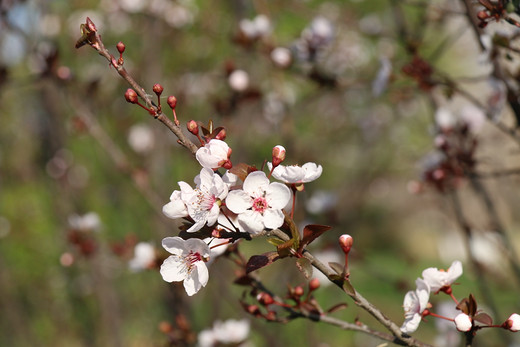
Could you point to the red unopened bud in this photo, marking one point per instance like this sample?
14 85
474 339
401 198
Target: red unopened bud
221 135
165 327
314 284
193 127
346 241
157 89
270 316
298 291
131 96
172 101
253 309
265 299
227 164
120 47
278 155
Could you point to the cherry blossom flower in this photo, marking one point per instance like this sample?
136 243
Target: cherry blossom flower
513 322
176 208
463 322
415 302
438 279
296 174
187 263
87 222
144 256
203 202
231 332
259 204
214 154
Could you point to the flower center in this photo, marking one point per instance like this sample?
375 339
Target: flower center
260 205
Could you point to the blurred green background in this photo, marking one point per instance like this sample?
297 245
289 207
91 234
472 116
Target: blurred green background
70 144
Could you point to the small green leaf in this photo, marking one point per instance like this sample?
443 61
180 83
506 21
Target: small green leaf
275 241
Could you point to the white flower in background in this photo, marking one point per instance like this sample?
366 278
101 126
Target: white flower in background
513 322
203 203
258 27
296 174
144 256
187 263
415 302
238 80
214 154
259 203
321 201
473 116
463 322
380 83
230 332
444 118
176 208
281 57
437 279
141 138
447 335
88 222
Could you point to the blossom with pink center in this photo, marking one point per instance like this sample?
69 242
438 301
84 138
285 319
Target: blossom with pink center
203 202
259 203
296 174
438 279
463 322
187 263
415 302
214 154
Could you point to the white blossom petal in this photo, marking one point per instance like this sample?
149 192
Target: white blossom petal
196 279
238 201
277 195
251 221
256 183
273 219
174 245
173 269
212 154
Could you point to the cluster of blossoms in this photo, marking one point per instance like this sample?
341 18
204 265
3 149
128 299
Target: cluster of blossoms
223 204
416 303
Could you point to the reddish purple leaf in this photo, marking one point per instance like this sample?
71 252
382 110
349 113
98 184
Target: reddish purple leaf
259 261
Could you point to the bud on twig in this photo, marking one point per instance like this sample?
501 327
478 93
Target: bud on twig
193 127
278 155
172 102
131 96
314 284
221 135
346 241
120 47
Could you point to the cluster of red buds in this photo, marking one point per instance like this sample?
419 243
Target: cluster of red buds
420 70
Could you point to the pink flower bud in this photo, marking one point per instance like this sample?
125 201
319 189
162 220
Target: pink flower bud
513 322
265 299
172 101
90 25
278 155
463 322
131 96
346 241
298 291
193 127
120 47
157 89
314 284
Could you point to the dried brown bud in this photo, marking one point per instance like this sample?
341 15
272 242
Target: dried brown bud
90 25
158 89
172 101
131 96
